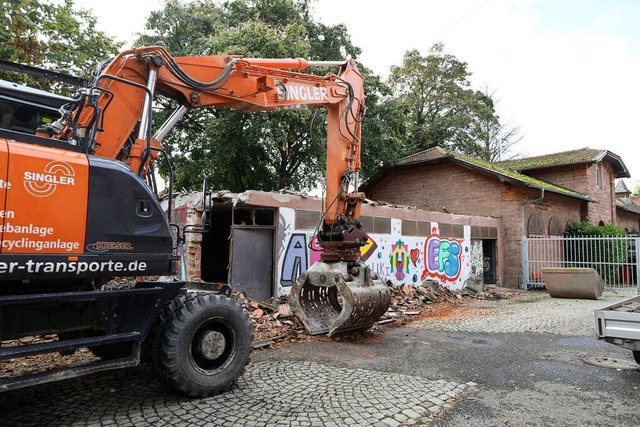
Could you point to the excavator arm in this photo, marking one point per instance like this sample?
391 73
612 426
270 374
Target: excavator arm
113 119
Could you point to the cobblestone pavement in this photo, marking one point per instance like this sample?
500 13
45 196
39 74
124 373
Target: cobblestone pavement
277 393
529 312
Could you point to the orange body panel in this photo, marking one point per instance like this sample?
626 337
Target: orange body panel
46 204
4 184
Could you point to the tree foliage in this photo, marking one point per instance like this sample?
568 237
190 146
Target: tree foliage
493 140
240 151
53 35
443 110
586 228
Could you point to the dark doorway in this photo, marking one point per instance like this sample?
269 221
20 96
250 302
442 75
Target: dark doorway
214 265
249 233
489 261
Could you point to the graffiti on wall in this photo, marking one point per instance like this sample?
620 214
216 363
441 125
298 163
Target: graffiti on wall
476 259
295 260
443 258
299 256
393 257
399 259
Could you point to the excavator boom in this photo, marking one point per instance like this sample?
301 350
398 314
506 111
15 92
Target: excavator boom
113 120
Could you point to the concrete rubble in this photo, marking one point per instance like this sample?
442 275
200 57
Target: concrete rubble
274 322
628 307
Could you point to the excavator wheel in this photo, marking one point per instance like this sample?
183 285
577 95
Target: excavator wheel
203 345
151 345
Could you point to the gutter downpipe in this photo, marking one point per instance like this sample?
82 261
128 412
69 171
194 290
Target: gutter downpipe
524 249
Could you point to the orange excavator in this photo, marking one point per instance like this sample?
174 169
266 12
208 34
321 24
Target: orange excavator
78 208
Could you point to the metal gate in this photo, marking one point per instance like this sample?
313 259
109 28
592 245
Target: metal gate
614 258
252 261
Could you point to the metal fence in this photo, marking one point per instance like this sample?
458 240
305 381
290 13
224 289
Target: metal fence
614 258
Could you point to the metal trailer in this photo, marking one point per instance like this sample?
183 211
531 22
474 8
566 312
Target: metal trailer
620 328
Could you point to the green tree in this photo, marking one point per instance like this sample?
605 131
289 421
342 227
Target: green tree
434 93
442 109
241 151
383 128
53 35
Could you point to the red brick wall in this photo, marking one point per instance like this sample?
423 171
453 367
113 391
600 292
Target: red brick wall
582 178
453 188
440 188
628 220
575 177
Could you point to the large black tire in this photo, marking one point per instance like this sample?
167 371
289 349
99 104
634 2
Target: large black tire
151 345
636 355
204 344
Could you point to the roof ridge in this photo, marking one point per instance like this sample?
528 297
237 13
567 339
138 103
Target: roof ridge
513 174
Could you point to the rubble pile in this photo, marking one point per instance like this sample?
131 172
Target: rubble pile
273 321
628 307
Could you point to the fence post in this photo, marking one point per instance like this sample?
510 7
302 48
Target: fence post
636 261
525 264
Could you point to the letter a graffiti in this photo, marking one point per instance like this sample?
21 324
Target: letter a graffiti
295 260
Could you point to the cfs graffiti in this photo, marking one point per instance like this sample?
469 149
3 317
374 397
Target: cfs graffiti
443 258
395 258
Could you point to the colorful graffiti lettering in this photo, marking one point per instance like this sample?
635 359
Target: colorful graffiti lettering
380 268
399 259
295 260
368 249
443 258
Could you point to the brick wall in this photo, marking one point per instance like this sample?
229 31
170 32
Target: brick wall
441 188
582 178
628 220
573 177
456 189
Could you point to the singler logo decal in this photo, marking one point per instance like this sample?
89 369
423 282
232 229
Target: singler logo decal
44 184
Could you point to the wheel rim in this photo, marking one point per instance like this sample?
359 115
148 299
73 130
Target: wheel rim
213 346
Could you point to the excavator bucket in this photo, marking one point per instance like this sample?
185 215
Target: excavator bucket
336 297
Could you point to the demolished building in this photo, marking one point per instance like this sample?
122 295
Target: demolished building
259 242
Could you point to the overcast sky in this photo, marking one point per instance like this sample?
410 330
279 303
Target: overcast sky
566 72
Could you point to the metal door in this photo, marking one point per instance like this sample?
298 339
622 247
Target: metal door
252 261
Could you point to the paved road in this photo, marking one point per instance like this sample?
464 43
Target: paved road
271 393
426 373
527 375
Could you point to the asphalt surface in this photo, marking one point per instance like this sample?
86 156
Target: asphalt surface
524 378
439 371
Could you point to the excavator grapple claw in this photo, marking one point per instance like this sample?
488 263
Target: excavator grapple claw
336 297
